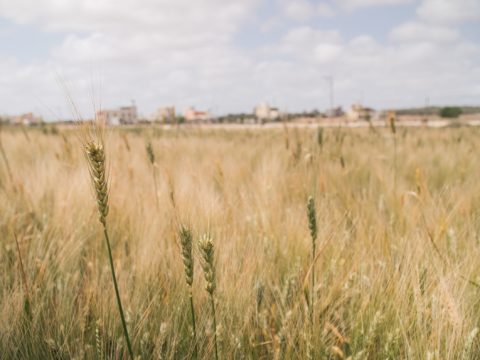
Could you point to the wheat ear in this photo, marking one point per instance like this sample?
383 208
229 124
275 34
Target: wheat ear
186 241
97 164
208 265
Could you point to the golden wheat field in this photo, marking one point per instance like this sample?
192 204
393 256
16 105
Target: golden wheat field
395 265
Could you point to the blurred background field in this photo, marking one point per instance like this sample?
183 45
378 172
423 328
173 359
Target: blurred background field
398 243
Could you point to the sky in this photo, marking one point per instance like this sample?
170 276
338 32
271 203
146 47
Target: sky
227 56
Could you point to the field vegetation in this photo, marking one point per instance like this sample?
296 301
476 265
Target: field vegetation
241 244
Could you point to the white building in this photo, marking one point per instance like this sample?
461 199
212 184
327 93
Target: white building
164 114
359 112
191 114
264 111
25 119
121 115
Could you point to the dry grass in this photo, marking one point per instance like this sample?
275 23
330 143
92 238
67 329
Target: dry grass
394 274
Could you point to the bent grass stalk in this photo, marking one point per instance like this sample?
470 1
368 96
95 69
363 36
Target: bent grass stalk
208 265
96 161
187 256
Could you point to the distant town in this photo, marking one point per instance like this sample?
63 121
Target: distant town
262 113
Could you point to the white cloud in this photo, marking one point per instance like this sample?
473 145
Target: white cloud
449 11
353 4
304 40
299 10
302 10
415 31
325 53
400 73
180 17
185 53
325 10
175 52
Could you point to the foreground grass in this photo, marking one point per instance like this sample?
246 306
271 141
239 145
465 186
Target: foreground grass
396 262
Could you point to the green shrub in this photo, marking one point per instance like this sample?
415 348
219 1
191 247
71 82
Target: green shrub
450 112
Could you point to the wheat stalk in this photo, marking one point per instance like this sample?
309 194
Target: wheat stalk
95 153
187 256
393 129
312 225
151 159
27 303
208 266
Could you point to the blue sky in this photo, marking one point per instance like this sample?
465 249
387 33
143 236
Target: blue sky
227 55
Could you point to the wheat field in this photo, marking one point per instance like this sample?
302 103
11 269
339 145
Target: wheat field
396 264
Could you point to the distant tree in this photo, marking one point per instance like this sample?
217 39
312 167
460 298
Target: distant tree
450 112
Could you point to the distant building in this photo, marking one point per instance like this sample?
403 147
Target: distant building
335 112
264 111
359 112
191 114
165 114
122 115
25 119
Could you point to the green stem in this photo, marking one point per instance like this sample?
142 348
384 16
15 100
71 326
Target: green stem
117 293
212 300
192 310
313 283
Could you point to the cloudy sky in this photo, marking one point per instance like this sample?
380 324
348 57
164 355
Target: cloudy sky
228 55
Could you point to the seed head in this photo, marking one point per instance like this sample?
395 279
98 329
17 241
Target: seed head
150 153
208 262
392 123
96 160
320 136
312 218
186 242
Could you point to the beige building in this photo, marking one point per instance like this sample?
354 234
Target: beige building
164 114
121 115
359 112
25 119
191 114
264 111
